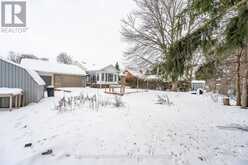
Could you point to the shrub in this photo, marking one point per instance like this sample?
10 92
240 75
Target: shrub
93 102
118 102
164 99
214 97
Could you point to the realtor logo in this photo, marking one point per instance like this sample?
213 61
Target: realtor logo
13 14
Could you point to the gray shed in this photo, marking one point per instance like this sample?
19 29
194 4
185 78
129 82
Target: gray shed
13 75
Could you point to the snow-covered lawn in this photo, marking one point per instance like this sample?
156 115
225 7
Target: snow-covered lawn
194 130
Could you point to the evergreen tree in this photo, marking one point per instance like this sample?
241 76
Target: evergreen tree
117 66
210 36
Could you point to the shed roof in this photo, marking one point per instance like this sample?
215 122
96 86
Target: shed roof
52 67
32 73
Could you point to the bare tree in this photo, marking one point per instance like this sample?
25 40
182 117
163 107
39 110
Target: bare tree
245 81
29 56
17 57
64 58
150 30
44 59
14 57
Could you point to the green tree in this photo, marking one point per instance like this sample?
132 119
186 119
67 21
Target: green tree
117 66
231 16
236 39
150 31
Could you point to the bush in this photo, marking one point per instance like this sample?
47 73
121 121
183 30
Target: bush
118 102
93 102
164 99
214 97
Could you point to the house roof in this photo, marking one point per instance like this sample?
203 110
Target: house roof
152 77
198 81
108 68
32 73
52 67
93 67
136 74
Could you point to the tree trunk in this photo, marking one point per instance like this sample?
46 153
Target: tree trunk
174 86
245 82
238 90
244 93
137 85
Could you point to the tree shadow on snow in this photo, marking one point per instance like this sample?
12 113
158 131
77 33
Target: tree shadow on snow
234 127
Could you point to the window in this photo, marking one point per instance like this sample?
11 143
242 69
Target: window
106 77
93 78
110 77
102 76
97 77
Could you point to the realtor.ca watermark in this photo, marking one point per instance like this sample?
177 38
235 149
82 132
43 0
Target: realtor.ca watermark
13 17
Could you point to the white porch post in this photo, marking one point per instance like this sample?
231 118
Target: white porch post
106 77
10 102
100 79
53 83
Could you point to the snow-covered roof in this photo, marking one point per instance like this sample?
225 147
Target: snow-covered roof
52 67
136 73
198 81
122 74
152 77
94 67
32 73
108 68
10 91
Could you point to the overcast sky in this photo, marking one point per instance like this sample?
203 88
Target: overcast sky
88 30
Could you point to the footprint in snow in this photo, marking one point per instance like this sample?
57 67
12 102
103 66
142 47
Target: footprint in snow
67 155
202 158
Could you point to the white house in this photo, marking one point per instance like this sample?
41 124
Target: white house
99 76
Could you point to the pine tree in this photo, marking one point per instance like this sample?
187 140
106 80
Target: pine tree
117 66
233 38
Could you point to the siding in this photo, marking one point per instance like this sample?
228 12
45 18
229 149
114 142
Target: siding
13 76
68 81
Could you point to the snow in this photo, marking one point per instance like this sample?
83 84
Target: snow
52 67
101 68
136 73
152 77
36 77
32 73
194 130
10 91
198 81
94 67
